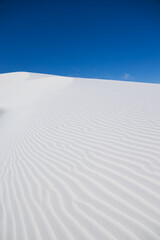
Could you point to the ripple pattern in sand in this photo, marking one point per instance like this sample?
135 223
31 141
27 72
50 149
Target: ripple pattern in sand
86 168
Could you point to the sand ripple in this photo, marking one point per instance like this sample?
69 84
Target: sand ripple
81 161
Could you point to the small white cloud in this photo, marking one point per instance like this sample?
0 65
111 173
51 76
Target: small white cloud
127 76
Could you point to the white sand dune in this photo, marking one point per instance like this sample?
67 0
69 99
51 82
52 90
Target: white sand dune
79 159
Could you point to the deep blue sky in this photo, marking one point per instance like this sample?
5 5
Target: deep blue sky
112 39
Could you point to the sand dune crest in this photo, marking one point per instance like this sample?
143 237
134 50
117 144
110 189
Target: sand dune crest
79 159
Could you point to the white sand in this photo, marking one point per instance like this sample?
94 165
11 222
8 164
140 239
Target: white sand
79 159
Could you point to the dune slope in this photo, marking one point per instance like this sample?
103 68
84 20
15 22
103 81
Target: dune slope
79 159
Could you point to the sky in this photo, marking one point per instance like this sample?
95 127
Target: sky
108 39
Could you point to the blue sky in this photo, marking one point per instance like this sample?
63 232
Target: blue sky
100 39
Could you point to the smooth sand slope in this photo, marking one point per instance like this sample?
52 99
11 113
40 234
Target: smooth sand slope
79 159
